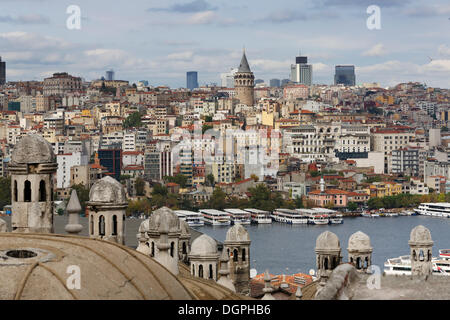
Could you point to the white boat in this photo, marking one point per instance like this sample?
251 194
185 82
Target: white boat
259 216
318 219
238 216
289 216
402 264
336 218
193 219
370 215
215 217
439 209
391 214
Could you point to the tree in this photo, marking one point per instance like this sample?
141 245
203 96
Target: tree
180 179
298 202
5 192
82 193
159 190
218 199
254 177
210 179
314 173
133 121
140 186
352 206
206 127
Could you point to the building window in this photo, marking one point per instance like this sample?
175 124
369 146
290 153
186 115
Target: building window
101 225
15 190
114 226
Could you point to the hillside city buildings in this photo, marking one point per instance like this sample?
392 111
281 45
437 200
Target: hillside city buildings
363 140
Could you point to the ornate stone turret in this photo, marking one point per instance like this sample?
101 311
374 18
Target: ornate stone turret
224 272
244 83
360 251
164 256
183 244
107 205
268 289
204 257
32 166
328 255
237 245
143 244
421 247
73 209
298 293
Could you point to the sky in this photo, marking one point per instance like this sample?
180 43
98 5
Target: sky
159 41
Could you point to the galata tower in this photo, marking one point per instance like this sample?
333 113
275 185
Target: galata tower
244 83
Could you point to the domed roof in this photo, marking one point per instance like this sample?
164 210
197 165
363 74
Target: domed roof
31 149
327 240
420 234
107 190
36 267
143 227
237 233
172 220
204 246
359 241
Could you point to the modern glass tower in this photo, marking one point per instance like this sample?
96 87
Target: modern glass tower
345 75
301 71
2 72
191 80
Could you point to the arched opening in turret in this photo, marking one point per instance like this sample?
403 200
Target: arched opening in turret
27 191
114 225
15 190
92 224
358 263
193 270
235 255
211 272
429 255
42 191
101 226
153 249
200 271
172 246
414 255
325 263
366 263
184 249
243 254
421 255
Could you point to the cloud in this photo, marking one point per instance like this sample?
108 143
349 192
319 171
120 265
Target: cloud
363 3
443 50
26 19
190 7
377 50
20 40
187 55
285 16
204 17
427 11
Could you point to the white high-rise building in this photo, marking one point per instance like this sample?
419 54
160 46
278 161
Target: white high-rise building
227 79
301 72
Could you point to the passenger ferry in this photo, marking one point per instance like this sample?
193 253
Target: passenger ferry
402 264
193 219
440 209
289 216
259 216
238 216
215 217
334 216
317 217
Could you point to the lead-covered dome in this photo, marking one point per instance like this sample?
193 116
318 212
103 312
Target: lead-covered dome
32 149
420 236
107 190
172 220
327 241
359 241
237 233
204 246
36 268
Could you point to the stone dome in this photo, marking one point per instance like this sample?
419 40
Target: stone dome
107 190
32 149
143 227
204 246
420 235
327 241
172 220
237 233
359 241
35 266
